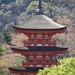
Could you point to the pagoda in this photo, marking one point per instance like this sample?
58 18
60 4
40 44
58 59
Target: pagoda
39 50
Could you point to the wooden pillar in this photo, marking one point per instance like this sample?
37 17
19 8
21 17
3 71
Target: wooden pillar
43 60
35 38
49 36
43 38
28 60
29 37
34 60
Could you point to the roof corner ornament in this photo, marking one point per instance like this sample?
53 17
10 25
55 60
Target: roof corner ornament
39 10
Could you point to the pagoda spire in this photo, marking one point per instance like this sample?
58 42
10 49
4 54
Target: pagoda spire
39 10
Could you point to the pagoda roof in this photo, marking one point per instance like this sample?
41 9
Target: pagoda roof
39 22
26 69
39 48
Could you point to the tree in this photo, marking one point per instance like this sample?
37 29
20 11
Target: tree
7 1
30 10
65 40
4 38
67 66
18 39
50 8
7 37
10 60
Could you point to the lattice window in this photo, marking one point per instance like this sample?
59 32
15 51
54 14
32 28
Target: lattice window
47 61
31 61
46 40
32 40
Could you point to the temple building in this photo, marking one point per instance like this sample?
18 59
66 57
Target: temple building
39 50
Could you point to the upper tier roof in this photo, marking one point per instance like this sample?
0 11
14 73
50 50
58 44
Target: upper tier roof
40 22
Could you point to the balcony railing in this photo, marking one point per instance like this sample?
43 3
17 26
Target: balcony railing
40 44
37 65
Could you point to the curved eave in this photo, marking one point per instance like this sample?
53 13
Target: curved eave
16 27
26 69
39 48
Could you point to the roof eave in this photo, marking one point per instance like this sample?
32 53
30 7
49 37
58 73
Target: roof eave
15 27
26 69
30 48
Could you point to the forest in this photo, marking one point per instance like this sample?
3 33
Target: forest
13 11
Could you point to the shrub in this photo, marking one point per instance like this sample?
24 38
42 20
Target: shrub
67 67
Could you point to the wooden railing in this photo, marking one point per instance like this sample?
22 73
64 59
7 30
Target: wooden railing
40 44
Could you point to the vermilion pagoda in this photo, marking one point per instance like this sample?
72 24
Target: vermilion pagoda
40 49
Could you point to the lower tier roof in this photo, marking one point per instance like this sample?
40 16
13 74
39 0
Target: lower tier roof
39 48
26 69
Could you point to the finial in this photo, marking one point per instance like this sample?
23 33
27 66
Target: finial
40 5
39 10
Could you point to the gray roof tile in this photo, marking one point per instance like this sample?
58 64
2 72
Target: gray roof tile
40 22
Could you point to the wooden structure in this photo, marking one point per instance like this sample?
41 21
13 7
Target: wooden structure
39 30
39 49
37 57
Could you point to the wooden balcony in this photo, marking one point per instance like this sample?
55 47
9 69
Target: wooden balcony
40 44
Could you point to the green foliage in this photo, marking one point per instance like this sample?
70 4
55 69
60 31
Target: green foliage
14 60
4 71
5 37
2 50
30 10
67 67
18 61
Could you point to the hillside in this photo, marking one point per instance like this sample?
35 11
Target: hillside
14 11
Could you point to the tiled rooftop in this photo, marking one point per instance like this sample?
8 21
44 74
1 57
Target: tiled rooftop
40 22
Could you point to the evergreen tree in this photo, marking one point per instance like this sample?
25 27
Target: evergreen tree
4 38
